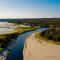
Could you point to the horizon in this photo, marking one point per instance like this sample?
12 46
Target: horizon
32 18
24 9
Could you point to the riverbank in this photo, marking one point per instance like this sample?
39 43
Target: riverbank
15 32
50 36
34 50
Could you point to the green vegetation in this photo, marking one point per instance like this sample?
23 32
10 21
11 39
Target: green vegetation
43 22
5 39
51 35
1 49
37 35
24 29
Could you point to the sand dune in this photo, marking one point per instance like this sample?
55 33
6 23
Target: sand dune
34 50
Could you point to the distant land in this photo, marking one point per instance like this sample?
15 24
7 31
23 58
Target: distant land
29 19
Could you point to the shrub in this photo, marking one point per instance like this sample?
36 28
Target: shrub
51 34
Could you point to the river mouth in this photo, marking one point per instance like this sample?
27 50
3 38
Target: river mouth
16 52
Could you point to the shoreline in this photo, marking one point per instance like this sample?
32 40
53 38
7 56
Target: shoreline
34 50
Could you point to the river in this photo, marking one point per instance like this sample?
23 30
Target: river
16 52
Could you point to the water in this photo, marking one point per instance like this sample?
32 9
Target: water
16 52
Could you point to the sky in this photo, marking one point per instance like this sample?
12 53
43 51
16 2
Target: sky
29 8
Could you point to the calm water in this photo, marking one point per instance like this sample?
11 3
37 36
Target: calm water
16 52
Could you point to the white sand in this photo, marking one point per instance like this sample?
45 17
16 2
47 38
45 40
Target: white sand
6 30
40 51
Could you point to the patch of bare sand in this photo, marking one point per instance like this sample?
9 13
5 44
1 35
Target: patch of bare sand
34 50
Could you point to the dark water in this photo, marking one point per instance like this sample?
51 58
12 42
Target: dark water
16 52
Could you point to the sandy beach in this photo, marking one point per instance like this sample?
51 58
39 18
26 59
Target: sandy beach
34 50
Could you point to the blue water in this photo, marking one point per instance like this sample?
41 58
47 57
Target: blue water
16 52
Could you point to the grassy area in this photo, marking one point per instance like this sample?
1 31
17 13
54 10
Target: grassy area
39 38
49 35
37 35
23 29
1 49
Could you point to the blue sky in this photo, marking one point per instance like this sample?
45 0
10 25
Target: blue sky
29 8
